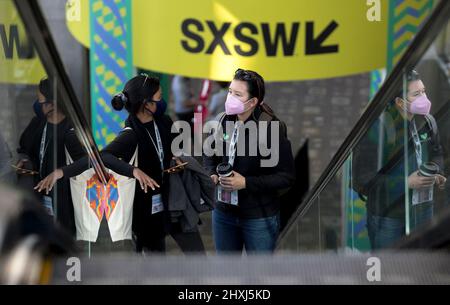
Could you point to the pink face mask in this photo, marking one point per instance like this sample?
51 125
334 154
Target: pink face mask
421 105
234 106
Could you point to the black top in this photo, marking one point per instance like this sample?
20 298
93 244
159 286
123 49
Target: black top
117 156
30 142
260 198
58 137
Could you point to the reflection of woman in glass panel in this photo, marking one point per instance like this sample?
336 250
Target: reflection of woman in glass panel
382 182
43 143
5 161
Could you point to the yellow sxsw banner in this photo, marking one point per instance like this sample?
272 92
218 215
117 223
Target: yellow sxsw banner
19 61
283 40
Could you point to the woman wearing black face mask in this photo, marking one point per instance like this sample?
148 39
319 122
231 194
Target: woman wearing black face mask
150 130
43 143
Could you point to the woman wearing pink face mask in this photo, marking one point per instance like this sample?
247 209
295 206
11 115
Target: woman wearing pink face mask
416 105
379 166
249 216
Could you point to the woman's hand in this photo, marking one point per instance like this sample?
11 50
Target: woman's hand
418 182
20 166
235 183
49 181
215 179
22 162
177 161
440 181
144 180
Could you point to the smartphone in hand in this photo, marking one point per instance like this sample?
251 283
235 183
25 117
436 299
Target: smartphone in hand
176 169
24 171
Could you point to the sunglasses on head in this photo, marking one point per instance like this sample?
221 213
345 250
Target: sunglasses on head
146 77
243 74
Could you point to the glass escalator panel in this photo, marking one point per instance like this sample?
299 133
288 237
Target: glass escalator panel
42 130
395 178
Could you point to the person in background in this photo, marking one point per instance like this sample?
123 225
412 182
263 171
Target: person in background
183 96
217 103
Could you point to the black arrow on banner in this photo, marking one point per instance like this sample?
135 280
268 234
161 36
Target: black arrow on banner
314 45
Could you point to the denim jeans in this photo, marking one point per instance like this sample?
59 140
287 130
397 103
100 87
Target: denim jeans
385 231
232 234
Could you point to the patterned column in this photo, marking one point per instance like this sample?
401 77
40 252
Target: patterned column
111 64
405 20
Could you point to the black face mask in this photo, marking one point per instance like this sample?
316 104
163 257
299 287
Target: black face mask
161 107
37 108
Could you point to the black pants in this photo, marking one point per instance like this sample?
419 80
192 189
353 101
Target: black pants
149 232
156 245
104 243
189 242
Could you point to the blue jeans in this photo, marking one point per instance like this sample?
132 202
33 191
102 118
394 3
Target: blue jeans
385 231
232 234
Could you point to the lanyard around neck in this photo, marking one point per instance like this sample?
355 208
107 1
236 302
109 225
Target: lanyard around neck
233 144
158 145
417 145
43 149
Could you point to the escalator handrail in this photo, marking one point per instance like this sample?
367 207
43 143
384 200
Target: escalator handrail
420 44
36 26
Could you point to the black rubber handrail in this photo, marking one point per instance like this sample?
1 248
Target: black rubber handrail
420 44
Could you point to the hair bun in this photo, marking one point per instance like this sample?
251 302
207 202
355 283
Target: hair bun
119 101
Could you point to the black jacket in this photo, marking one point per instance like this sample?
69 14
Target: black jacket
59 137
191 193
260 198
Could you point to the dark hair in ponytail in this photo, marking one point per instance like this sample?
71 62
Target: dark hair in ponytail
137 91
256 87
118 101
